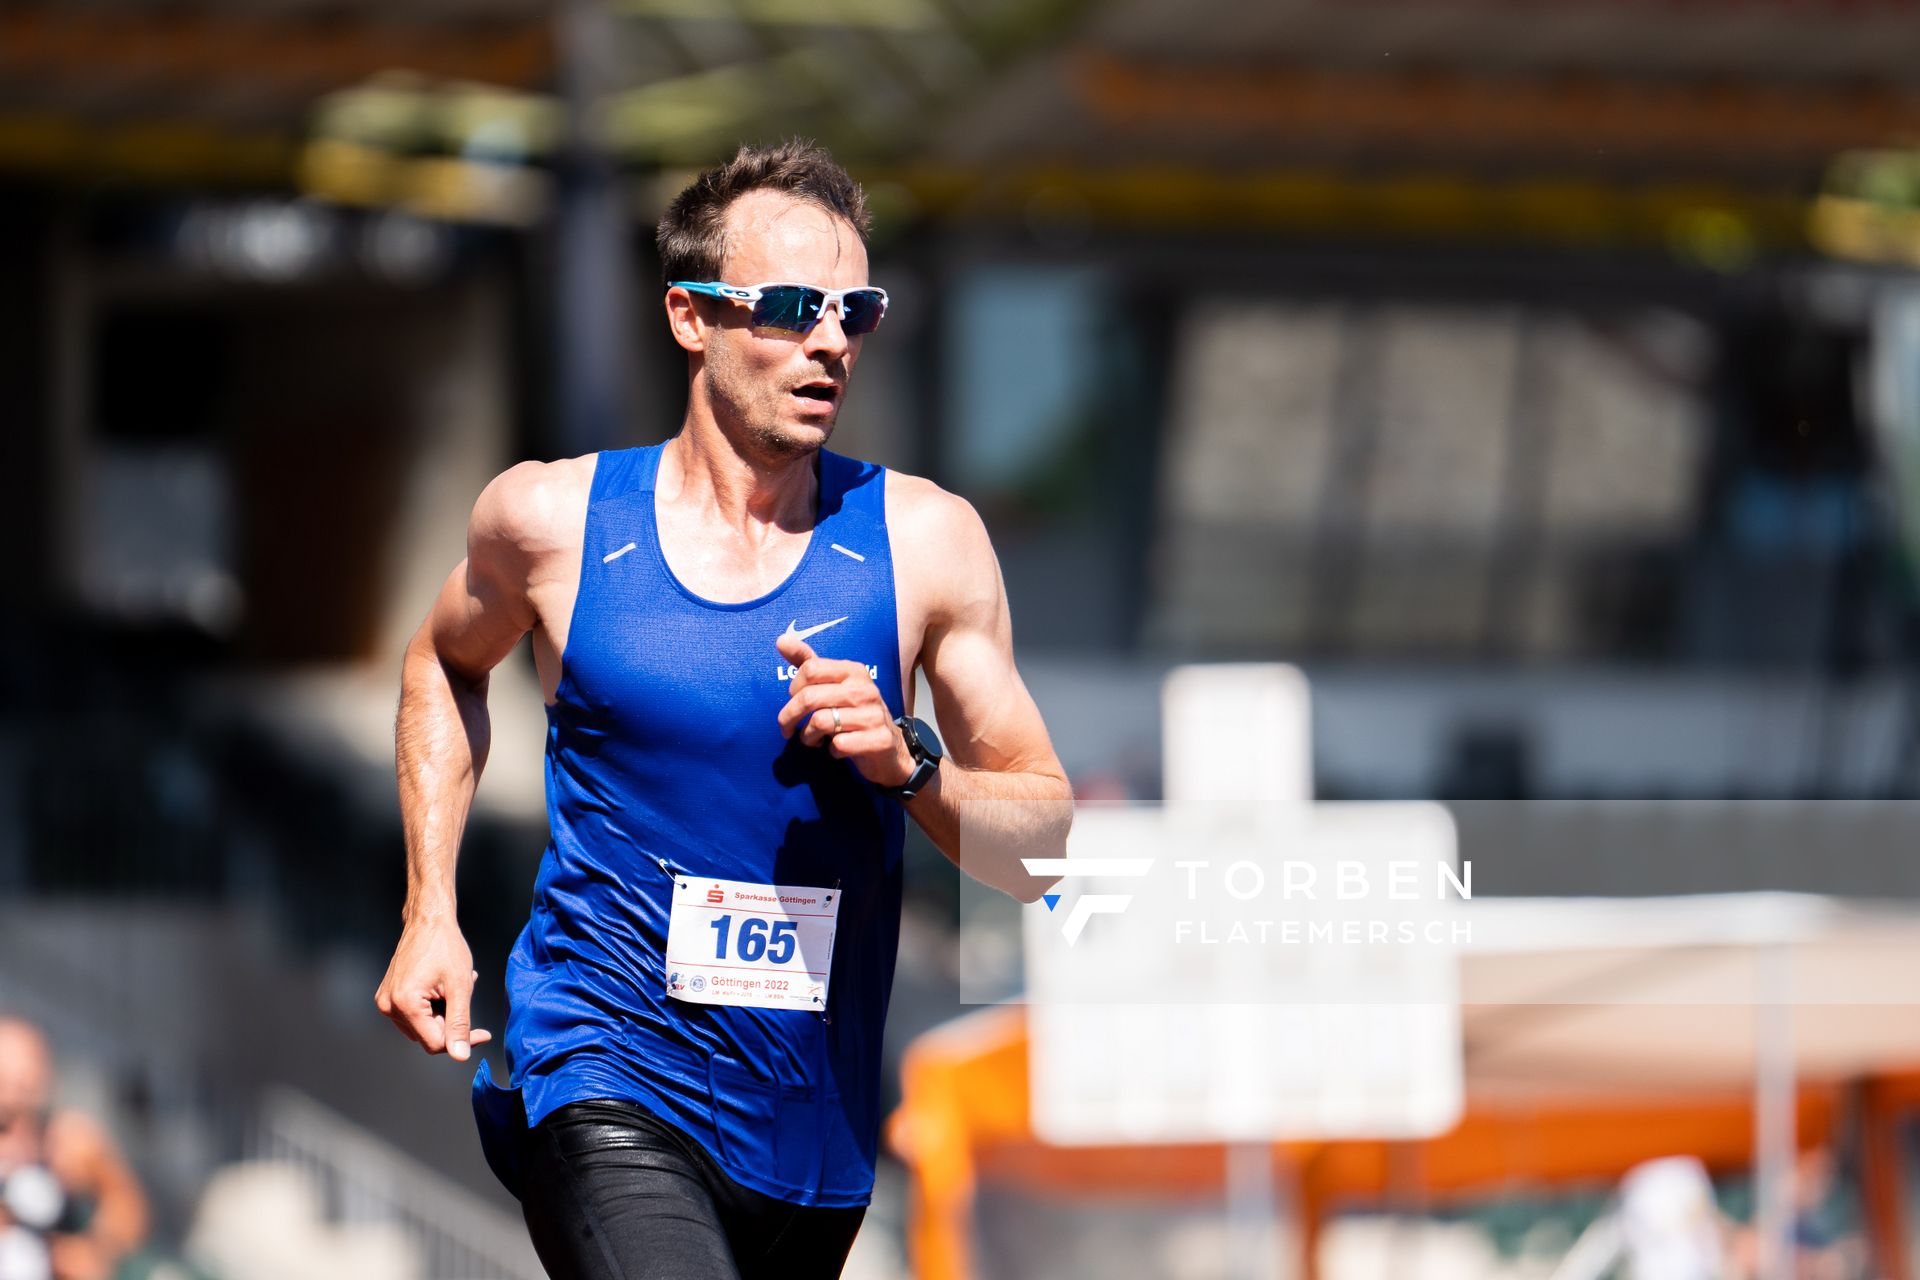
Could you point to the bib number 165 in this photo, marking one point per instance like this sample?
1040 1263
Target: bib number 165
756 939
741 943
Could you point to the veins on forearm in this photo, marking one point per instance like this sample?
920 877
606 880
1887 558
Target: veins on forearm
441 740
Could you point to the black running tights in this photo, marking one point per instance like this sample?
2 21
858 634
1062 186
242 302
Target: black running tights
612 1192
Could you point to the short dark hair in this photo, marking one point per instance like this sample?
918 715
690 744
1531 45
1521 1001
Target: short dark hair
692 233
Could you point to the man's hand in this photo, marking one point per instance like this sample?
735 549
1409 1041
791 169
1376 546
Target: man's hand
432 963
865 734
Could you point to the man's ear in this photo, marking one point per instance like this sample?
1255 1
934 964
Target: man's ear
684 320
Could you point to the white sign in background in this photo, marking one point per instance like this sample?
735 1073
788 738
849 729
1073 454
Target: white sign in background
1301 983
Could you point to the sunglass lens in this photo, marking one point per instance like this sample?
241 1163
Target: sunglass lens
788 307
861 310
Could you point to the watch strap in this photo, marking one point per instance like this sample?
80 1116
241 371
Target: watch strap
926 763
922 774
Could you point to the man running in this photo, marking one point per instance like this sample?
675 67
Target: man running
726 628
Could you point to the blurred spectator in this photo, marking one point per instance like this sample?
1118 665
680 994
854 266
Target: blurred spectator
1823 1249
1671 1226
1664 1226
70 1208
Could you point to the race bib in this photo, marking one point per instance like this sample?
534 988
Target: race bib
733 942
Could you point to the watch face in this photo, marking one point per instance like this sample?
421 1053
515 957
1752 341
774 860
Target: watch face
926 739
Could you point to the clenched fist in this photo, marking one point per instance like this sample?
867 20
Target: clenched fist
432 963
863 731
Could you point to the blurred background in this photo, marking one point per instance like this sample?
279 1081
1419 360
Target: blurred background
1542 378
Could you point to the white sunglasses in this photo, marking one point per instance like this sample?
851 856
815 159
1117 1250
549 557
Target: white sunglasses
798 307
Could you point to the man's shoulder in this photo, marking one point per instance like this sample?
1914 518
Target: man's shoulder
536 505
941 550
918 507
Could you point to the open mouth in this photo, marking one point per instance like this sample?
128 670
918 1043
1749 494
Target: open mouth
824 392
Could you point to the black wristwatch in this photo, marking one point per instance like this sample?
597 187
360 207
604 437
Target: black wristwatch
925 746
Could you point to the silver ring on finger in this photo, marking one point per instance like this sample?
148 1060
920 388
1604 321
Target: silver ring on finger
836 718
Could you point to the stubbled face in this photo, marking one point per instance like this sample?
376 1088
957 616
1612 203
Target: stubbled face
778 393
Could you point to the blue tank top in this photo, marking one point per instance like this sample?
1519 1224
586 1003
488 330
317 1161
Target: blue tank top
664 757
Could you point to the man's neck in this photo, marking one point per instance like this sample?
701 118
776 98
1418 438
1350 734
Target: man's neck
702 467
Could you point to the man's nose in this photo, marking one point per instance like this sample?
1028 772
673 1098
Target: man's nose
827 337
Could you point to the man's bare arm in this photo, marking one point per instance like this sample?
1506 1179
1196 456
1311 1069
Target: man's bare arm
1000 795
84 1158
441 738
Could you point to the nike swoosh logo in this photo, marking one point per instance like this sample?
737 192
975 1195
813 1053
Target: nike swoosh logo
813 631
